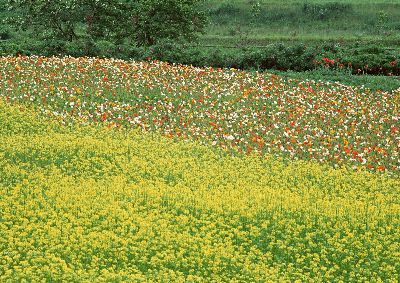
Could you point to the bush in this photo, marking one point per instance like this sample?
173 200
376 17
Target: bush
365 59
5 34
298 57
8 48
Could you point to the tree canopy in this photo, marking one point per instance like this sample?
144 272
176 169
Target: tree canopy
142 22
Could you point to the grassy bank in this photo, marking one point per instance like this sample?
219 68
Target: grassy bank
261 22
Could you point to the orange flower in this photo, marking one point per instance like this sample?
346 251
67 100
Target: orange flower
381 168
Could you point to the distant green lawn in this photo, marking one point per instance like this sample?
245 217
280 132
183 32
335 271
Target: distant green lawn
313 20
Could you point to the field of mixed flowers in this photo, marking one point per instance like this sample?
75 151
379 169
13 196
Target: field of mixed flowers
146 171
240 111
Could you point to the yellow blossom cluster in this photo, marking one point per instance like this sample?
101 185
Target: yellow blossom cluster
89 203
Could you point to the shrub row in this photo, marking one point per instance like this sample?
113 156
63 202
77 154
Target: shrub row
357 59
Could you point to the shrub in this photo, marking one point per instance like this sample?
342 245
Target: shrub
5 34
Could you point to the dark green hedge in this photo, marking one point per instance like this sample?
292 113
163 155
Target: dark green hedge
357 59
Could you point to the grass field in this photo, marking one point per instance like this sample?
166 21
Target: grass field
93 203
246 22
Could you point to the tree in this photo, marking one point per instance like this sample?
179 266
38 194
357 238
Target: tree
155 20
143 22
47 18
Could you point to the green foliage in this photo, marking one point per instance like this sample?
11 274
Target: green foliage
295 57
5 34
48 19
156 20
7 48
142 23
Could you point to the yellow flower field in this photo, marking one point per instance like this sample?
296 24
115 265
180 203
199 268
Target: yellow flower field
97 204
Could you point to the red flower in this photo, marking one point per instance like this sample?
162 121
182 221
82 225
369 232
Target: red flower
381 168
104 116
329 61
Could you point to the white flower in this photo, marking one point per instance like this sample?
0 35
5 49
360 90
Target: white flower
229 138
